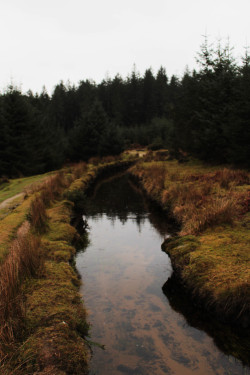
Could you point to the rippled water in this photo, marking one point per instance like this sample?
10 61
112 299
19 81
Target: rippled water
123 270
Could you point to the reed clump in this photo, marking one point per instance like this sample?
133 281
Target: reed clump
23 261
197 200
79 169
38 216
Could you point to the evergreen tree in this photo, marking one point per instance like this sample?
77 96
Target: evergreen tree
185 108
149 99
133 97
161 93
4 145
238 131
88 137
21 134
213 115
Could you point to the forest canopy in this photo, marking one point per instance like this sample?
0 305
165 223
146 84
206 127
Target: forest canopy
205 113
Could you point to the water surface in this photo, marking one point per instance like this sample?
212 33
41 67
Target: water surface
123 270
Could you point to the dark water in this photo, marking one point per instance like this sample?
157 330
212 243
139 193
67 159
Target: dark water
123 270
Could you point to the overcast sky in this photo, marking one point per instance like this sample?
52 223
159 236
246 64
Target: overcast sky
45 41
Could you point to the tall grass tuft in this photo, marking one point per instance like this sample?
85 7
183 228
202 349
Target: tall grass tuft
214 212
79 169
197 200
23 261
227 177
38 216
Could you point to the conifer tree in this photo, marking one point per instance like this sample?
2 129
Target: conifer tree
148 103
238 131
88 136
4 152
161 93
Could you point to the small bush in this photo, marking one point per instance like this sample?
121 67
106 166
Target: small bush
53 188
79 169
37 216
215 212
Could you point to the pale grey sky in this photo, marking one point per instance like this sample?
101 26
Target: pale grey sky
45 41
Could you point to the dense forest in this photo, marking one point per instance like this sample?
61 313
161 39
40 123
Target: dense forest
205 113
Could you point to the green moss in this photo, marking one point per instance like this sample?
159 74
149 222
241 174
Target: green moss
215 266
56 346
52 302
58 250
61 231
59 227
178 247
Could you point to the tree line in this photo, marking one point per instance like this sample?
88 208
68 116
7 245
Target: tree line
205 112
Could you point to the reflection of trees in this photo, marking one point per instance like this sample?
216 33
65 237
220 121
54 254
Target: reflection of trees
160 220
119 198
228 341
116 199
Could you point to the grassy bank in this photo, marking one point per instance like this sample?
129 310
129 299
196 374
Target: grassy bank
14 212
43 321
12 187
211 253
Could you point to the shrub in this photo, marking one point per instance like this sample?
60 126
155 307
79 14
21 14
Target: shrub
38 216
79 169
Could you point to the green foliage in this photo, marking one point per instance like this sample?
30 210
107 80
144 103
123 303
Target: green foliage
94 135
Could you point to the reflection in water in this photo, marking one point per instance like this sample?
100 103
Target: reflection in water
225 339
123 270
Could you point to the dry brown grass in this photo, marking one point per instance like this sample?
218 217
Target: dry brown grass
53 188
198 198
79 169
154 178
23 261
215 212
38 216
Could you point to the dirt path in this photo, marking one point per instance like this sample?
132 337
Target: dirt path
5 203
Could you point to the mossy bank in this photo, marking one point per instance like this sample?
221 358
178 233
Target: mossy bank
46 330
210 255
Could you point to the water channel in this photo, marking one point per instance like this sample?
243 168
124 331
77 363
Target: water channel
123 270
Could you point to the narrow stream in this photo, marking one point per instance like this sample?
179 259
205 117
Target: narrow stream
123 270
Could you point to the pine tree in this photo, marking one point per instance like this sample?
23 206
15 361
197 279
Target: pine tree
216 90
149 102
89 133
238 133
133 98
161 93
4 157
